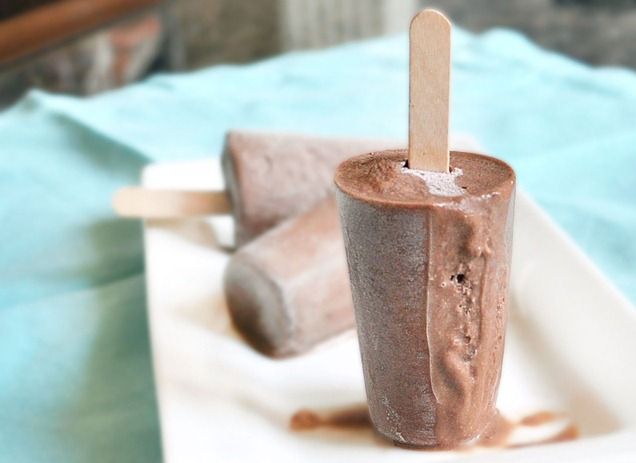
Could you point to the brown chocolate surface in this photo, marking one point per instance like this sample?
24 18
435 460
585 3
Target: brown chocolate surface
271 177
497 433
383 178
429 275
539 418
355 417
288 289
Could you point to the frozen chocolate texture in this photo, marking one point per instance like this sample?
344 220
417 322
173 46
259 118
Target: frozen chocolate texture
288 289
271 177
429 258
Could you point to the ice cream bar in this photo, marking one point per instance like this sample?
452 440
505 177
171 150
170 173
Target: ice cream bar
428 256
288 289
270 177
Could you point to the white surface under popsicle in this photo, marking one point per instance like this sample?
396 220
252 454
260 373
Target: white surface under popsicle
568 350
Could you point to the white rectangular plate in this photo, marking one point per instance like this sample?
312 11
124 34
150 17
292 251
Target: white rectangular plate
570 349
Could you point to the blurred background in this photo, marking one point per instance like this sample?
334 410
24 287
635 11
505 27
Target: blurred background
88 46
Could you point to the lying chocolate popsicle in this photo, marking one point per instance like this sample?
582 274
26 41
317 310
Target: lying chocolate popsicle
288 290
271 177
268 177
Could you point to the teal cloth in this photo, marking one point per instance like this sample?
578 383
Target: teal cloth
75 368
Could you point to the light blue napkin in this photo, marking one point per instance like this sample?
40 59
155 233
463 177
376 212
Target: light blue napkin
75 371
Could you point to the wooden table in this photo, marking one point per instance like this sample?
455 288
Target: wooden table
51 25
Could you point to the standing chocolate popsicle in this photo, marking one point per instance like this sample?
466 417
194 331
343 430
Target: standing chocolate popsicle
428 242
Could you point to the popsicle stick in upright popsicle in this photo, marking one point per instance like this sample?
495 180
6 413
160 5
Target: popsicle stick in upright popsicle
429 91
147 203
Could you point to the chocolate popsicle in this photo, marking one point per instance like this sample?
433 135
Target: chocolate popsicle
428 256
271 177
288 290
428 241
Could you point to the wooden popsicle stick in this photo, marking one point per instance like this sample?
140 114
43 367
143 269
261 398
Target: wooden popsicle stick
429 91
144 203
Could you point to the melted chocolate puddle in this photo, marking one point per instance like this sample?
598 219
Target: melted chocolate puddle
539 418
497 434
570 433
349 418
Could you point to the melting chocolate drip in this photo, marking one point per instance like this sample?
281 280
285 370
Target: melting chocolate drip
496 435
